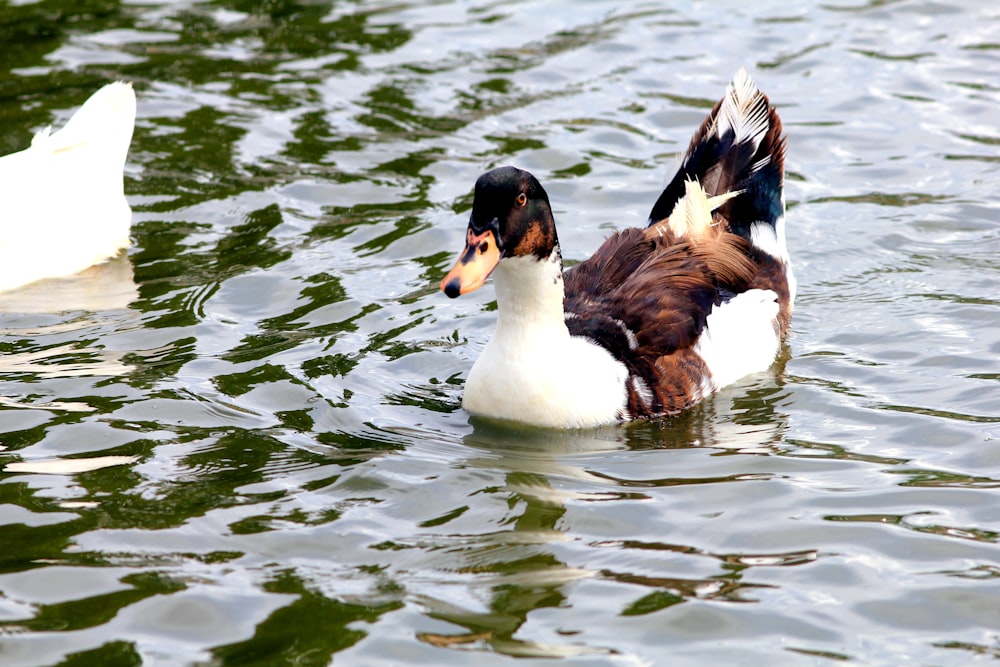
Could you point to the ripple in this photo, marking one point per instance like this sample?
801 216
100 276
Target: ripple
68 466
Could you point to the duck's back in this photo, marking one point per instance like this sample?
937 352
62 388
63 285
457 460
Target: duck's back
62 201
704 294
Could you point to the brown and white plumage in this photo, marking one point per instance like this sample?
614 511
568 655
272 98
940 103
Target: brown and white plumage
658 317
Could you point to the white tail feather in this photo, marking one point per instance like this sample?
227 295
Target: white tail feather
743 111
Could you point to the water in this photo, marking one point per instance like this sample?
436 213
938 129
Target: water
250 451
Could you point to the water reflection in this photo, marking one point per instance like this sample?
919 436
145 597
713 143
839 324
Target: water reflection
517 571
107 286
50 326
521 567
61 361
68 466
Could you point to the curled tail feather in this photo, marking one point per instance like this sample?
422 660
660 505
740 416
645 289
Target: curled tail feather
692 215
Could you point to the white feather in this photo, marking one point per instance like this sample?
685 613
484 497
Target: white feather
741 337
771 240
692 213
62 200
532 370
743 111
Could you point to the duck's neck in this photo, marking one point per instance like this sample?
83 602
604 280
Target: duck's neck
529 294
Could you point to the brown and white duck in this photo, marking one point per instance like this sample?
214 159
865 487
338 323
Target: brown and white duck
659 317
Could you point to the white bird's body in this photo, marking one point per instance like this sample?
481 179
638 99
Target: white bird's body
62 200
533 370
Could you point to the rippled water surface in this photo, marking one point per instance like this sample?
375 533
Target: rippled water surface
242 443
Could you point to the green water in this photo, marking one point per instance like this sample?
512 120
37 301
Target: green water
273 359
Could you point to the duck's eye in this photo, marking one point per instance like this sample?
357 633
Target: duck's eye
522 199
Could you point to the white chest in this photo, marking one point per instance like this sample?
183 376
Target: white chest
532 370
571 383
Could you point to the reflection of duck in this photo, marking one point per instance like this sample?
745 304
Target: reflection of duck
62 200
657 318
107 286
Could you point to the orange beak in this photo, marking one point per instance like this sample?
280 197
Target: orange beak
474 265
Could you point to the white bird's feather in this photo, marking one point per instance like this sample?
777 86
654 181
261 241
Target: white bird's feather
692 213
62 200
532 370
743 111
741 336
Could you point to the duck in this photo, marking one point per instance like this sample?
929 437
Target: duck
62 199
659 317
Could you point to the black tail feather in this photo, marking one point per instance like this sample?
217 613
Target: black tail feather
739 147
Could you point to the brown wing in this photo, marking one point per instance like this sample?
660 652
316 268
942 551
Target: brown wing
646 298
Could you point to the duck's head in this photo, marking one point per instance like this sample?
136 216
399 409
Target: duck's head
510 217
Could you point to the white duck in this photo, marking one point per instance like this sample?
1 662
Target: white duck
62 200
